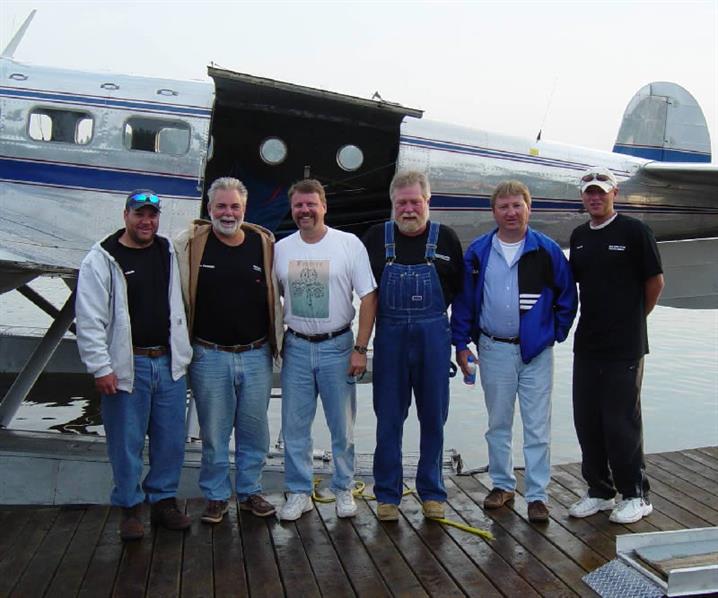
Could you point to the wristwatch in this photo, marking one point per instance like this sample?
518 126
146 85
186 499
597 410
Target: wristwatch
360 349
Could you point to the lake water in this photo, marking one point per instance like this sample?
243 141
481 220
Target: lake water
680 391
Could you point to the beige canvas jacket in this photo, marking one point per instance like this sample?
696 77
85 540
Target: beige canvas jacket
189 246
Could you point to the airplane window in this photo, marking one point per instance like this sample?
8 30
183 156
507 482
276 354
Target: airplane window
67 126
157 135
273 151
350 157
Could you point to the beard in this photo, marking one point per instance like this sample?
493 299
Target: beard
227 230
414 225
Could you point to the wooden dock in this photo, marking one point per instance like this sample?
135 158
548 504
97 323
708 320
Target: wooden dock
76 551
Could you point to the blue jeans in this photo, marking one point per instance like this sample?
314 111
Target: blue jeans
308 369
503 376
155 407
232 390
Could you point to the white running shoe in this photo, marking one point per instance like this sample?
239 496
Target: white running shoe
588 506
295 507
346 507
630 510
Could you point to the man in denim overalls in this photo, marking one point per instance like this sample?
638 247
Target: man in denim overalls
420 268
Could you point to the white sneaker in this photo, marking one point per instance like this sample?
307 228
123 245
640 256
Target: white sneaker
588 506
630 510
346 507
295 507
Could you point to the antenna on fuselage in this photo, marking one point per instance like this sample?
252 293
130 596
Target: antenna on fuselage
548 105
9 50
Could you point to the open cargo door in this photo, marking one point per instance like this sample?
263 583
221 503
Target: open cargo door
270 134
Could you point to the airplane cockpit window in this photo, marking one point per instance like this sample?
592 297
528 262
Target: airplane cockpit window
350 157
273 151
67 126
157 135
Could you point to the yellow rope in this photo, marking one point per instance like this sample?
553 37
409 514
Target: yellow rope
358 492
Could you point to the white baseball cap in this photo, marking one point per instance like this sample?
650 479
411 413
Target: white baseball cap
598 176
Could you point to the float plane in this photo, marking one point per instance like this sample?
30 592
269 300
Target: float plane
73 144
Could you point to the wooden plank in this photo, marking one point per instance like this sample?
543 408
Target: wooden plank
330 575
101 573
263 576
292 560
134 565
166 567
397 575
75 562
490 556
22 551
12 522
445 542
687 480
363 576
520 556
41 569
197 574
230 579
423 563
710 451
681 466
602 544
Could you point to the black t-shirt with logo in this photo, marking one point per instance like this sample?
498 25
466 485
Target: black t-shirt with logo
147 272
231 306
410 251
611 266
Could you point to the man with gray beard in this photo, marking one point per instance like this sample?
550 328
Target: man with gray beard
419 266
234 320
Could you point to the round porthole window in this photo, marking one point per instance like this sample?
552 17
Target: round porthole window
273 151
350 157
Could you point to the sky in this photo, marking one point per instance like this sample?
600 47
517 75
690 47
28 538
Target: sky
568 68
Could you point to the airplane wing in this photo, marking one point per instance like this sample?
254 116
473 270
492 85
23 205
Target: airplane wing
682 172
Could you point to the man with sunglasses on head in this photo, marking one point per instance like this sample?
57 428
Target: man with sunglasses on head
235 321
132 336
616 264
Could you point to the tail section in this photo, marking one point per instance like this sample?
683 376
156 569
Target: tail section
664 122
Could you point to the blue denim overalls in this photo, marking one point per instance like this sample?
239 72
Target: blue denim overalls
412 350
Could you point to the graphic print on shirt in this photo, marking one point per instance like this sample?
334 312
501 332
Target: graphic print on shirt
309 288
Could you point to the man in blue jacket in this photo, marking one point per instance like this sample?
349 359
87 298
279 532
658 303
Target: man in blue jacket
518 299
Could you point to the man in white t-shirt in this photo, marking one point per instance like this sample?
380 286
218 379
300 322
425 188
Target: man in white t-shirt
518 299
319 269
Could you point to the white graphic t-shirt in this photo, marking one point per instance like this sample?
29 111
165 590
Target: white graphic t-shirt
317 280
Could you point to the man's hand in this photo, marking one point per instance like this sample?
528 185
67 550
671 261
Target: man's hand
357 364
462 358
106 385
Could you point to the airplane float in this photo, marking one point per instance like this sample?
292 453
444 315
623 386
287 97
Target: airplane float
73 144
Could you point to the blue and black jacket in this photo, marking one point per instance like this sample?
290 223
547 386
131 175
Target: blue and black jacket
547 294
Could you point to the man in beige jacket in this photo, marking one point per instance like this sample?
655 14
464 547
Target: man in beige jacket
235 323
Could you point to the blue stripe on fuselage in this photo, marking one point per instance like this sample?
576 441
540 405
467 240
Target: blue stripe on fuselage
661 154
95 178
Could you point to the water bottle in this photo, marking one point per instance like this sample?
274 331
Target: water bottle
471 378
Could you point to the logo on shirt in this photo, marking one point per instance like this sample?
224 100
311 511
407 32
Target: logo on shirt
440 256
617 248
256 268
129 272
206 266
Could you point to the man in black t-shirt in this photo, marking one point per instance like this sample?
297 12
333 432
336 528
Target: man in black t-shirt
419 267
233 314
616 264
132 336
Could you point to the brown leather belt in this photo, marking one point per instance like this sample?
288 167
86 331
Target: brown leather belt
232 348
318 338
150 351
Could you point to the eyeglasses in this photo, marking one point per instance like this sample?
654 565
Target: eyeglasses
139 197
604 178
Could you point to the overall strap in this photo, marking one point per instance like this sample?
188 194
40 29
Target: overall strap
389 245
431 242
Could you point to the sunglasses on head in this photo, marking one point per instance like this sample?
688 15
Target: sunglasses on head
604 178
151 197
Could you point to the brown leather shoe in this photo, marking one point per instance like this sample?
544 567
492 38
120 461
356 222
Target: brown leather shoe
538 511
214 511
131 527
497 498
259 506
165 513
